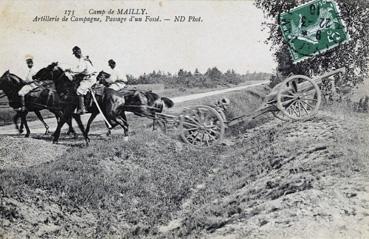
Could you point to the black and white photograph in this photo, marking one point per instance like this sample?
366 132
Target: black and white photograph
208 119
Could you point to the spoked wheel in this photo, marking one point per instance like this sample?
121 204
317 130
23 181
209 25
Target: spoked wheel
202 126
299 97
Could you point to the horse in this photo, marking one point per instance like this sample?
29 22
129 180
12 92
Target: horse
113 104
37 100
141 103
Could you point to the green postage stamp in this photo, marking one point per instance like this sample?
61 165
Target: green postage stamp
313 28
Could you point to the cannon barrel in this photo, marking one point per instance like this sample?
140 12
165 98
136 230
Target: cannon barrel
318 79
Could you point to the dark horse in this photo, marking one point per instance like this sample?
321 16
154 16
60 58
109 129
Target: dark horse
37 100
141 103
112 103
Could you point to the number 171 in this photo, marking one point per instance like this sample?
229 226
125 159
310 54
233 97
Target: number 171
69 12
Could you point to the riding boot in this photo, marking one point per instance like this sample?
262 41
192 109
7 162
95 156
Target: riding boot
23 102
81 109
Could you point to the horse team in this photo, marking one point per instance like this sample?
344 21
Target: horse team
69 93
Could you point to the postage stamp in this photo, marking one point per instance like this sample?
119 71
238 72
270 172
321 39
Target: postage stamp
313 28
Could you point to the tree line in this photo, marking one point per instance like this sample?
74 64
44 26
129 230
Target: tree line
213 77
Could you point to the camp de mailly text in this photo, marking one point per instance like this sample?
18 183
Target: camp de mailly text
94 15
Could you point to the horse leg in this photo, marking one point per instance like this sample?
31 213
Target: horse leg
15 120
71 130
39 116
21 126
108 133
90 120
61 122
112 124
77 117
122 121
24 121
57 116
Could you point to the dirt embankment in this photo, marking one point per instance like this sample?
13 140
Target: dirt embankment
291 180
274 180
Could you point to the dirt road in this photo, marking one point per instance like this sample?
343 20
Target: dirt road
37 126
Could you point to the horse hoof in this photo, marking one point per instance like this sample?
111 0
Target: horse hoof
26 136
55 142
125 139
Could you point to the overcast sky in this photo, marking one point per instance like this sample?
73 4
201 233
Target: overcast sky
230 36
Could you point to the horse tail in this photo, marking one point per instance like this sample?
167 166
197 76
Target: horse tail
168 102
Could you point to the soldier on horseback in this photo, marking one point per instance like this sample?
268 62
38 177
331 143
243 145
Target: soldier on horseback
116 81
85 71
30 84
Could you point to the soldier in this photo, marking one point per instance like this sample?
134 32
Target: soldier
84 70
116 81
30 85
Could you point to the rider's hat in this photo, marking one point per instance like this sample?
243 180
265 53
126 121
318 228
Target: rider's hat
111 61
76 49
29 57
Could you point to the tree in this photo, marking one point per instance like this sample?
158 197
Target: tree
214 73
181 73
354 55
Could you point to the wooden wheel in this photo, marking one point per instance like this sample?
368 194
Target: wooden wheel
299 97
202 126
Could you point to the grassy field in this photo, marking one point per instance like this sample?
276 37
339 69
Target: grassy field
270 180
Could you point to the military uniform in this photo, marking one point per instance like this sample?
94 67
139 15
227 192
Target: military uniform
116 81
83 69
30 83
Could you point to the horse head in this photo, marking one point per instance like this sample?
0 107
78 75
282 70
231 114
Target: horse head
3 78
10 82
46 73
56 74
5 75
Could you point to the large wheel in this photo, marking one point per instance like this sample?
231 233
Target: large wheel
299 97
202 126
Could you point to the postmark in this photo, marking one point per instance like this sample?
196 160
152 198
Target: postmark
313 28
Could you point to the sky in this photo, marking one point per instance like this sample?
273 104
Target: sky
229 36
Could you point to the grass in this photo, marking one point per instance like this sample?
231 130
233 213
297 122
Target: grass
133 188
144 181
